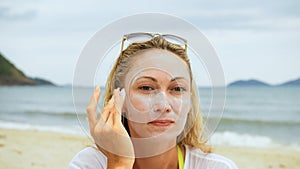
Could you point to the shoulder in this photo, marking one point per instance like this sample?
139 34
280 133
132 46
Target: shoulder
195 158
88 158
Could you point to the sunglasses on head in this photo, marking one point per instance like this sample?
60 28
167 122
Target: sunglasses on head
140 37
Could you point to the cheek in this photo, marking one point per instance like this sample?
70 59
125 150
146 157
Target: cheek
138 108
139 102
181 106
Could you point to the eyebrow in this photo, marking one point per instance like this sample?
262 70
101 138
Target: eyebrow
147 77
177 78
153 79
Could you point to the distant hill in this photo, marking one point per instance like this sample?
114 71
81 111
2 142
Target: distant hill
11 75
40 81
254 83
251 82
291 83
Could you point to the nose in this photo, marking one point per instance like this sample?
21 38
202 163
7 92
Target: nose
162 108
161 104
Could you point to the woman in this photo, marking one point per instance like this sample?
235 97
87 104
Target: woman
151 117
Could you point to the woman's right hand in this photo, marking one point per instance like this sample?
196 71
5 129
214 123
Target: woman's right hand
108 131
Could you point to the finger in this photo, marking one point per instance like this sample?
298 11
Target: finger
112 108
110 103
119 101
92 108
107 109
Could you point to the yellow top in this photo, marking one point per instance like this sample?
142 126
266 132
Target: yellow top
180 158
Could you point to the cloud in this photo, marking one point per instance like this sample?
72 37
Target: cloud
243 19
244 15
9 14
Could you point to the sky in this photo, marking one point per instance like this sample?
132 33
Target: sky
253 39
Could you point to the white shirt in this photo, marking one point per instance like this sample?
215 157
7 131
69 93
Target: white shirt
91 158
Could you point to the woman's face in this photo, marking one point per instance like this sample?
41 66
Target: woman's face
158 94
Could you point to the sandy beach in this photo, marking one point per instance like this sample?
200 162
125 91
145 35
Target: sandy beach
35 149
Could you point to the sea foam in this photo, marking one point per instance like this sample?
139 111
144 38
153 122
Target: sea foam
74 130
229 138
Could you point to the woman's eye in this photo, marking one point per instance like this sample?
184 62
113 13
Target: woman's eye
146 88
179 89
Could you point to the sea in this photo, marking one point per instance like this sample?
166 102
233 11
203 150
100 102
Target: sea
252 116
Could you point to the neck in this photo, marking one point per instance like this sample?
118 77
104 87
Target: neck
151 147
166 160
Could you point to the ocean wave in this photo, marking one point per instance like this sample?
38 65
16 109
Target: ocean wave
54 113
229 138
74 130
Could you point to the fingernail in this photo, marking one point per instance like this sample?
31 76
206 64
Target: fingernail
97 89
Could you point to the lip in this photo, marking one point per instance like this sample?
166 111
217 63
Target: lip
161 123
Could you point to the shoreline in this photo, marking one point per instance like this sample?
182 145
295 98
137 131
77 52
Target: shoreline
40 149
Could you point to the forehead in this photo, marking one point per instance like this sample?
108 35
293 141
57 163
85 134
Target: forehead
159 59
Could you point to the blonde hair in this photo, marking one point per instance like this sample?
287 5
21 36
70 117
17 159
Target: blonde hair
193 131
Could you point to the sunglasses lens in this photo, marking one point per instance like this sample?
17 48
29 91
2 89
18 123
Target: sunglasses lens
137 38
174 39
